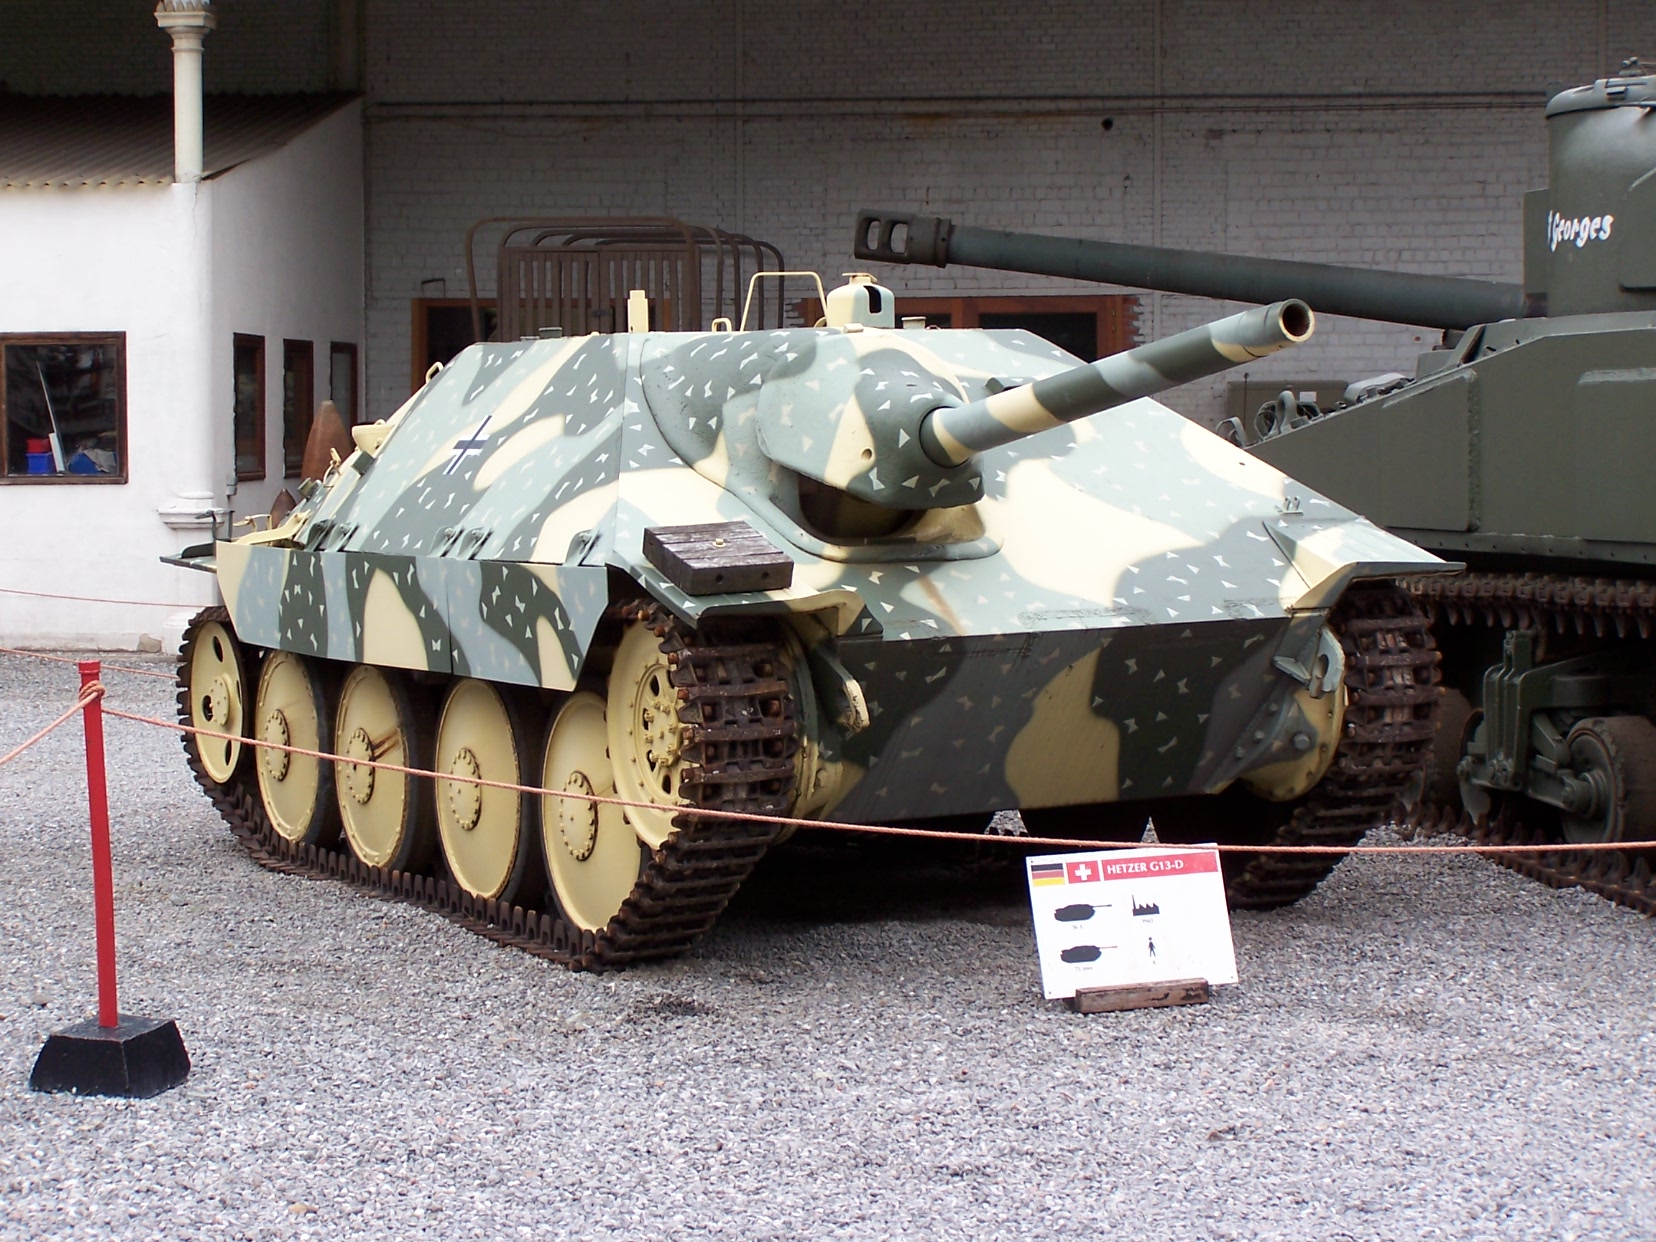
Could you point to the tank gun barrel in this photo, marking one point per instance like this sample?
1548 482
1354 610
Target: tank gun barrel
1391 297
950 435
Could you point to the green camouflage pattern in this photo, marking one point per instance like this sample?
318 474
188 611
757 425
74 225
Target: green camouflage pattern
1121 607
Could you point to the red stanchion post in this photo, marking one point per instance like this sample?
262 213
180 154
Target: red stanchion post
131 1056
103 872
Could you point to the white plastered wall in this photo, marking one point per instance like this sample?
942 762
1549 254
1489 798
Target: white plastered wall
273 247
119 260
286 265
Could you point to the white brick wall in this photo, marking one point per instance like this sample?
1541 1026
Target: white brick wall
1421 184
782 119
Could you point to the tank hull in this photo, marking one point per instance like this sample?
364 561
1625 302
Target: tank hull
549 556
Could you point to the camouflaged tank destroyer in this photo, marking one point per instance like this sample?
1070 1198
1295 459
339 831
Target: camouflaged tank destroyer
853 571
1522 446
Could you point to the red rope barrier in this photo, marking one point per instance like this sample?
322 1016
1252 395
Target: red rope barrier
52 659
96 599
74 707
1066 843
1062 843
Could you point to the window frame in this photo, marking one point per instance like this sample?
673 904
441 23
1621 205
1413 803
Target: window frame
419 337
336 348
304 404
238 340
118 340
1116 314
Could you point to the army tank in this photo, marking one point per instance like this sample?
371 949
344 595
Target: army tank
859 572
1521 446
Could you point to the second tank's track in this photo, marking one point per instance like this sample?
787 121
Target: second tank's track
1391 676
1602 607
743 732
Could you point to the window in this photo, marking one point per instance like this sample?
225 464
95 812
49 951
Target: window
442 328
342 381
63 407
1090 326
298 403
249 409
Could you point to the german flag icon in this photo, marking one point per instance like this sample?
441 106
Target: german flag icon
1046 873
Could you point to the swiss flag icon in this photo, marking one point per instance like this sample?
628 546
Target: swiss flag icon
1081 872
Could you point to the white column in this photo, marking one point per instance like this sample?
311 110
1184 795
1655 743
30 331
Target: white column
188 22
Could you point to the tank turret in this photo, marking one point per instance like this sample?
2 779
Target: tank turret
916 445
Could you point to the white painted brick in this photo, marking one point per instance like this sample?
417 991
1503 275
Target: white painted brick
1370 182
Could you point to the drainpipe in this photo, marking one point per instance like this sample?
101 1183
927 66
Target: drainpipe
188 22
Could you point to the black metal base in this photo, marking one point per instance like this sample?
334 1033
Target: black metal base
138 1058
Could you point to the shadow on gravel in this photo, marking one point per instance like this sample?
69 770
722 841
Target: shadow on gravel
835 877
669 1005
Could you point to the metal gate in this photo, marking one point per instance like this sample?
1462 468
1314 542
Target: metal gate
574 274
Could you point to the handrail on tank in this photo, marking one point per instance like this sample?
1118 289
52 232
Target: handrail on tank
753 283
1391 297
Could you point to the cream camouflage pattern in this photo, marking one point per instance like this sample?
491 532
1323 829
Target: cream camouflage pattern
994 607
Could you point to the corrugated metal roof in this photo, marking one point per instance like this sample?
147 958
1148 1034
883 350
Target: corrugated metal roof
81 140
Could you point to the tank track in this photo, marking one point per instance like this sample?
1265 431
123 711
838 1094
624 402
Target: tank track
1602 607
744 735
1391 675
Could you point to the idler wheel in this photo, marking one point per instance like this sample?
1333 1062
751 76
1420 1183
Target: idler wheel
294 707
218 700
484 830
387 815
1440 782
1616 757
593 856
646 737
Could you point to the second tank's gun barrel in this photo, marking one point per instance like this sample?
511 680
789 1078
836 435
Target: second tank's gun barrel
1363 293
950 435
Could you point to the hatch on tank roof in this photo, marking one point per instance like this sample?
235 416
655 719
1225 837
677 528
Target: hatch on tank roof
1635 89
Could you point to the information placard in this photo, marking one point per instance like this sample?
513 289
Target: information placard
1130 916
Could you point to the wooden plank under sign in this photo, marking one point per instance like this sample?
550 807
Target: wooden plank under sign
1141 996
717 558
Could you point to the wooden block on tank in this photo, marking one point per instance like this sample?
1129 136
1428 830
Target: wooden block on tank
1141 996
717 558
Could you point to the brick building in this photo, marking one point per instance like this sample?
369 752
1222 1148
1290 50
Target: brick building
1393 136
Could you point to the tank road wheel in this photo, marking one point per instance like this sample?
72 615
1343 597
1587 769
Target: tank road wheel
294 707
646 738
593 856
217 690
1617 755
484 831
387 815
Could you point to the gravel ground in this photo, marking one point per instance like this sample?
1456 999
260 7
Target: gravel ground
1428 1049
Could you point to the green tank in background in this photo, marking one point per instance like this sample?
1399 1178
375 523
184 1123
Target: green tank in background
1524 446
853 571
